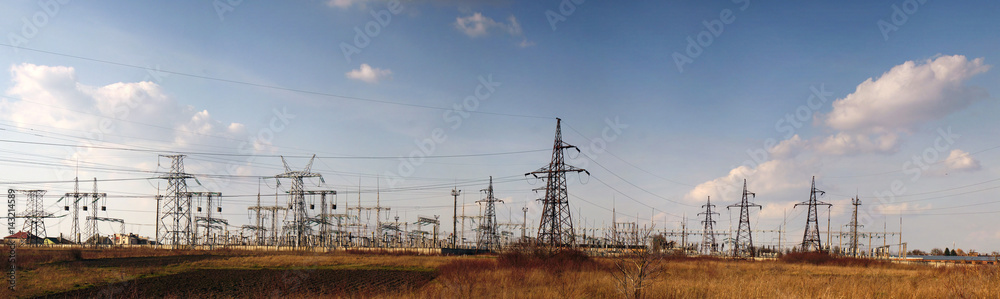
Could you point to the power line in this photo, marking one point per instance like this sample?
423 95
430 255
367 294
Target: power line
270 156
302 91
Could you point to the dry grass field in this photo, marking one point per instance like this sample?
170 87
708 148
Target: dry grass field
222 274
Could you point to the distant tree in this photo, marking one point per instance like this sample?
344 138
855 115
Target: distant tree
937 251
958 252
916 252
947 252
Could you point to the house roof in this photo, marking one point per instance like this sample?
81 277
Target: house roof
21 235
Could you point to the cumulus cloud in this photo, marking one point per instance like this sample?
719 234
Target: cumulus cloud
139 113
871 120
369 74
845 144
477 25
959 160
908 95
768 177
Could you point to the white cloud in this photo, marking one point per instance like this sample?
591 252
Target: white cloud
768 177
369 74
477 25
788 148
139 113
870 120
960 160
845 144
344 3
908 95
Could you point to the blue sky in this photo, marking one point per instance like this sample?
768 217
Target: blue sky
206 83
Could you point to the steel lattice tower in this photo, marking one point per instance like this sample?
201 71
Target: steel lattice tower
488 238
175 223
744 235
34 214
556 226
91 229
76 196
856 201
297 202
708 245
810 238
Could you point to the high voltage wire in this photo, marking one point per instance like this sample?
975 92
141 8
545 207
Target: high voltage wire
324 94
271 156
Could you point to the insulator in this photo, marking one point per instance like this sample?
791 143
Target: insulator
219 209
199 209
104 208
334 206
312 207
84 208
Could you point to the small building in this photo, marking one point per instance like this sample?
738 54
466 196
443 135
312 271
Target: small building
129 239
22 238
57 241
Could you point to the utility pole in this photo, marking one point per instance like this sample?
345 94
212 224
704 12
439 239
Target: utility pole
454 219
708 245
556 226
488 238
811 237
524 225
743 246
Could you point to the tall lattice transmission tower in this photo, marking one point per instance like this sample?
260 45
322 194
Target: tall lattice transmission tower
743 245
34 214
810 238
301 227
708 244
91 230
174 223
556 226
489 238
856 201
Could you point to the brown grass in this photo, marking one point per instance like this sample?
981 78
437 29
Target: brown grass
517 275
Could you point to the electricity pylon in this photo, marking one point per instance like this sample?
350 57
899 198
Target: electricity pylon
297 202
856 201
488 238
174 221
744 236
708 244
811 238
556 226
